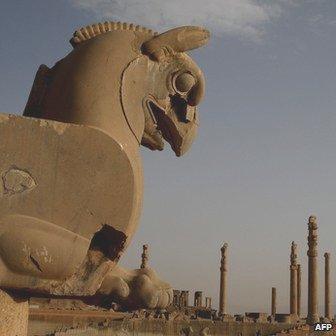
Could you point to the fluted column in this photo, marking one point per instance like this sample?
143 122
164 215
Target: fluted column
312 316
327 296
223 281
299 290
293 280
274 302
144 256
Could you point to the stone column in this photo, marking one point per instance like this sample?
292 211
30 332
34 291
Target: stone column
144 256
274 302
312 316
223 281
176 298
198 299
299 290
293 280
185 295
327 293
208 302
13 316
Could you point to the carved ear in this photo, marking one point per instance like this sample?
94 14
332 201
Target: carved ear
175 40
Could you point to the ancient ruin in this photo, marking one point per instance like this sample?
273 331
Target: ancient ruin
273 302
198 299
298 291
178 318
78 197
144 256
312 316
223 281
70 207
293 281
327 288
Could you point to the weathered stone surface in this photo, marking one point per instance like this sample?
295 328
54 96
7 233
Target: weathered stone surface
273 302
16 181
13 316
312 316
223 281
42 325
327 288
137 288
299 290
84 184
144 256
293 280
71 176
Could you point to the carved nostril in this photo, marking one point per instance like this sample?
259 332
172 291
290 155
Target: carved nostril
181 108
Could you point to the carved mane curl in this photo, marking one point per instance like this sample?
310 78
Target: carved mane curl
89 32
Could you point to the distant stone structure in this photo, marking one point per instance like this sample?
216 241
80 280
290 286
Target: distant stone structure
327 289
273 302
184 298
180 298
299 290
176 298
223 281
208 302
293 280
198 299
312 316
144 256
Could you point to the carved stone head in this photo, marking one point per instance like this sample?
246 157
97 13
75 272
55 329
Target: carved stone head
121 71
178 88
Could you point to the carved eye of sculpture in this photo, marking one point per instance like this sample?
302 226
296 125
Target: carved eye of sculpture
184 82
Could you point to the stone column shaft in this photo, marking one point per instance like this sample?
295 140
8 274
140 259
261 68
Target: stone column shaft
198 299
185 295
327 292
312 316
274 302
223 281
299 290
293 280
144 256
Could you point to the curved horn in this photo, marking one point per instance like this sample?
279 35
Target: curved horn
177 39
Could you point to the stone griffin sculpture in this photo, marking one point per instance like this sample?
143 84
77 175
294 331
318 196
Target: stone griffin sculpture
71 175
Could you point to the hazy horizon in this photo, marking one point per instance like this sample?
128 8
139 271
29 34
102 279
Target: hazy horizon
264 159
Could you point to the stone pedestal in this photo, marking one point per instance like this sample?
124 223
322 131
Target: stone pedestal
13 316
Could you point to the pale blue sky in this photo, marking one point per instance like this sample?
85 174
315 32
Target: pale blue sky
265 156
